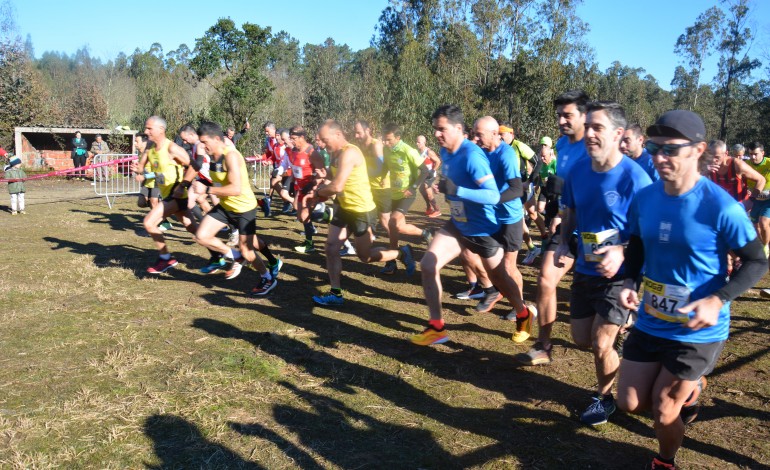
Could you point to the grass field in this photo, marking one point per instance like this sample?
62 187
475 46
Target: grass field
102 366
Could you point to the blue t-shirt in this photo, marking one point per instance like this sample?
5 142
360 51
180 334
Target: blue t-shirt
505 166
645 161
686 239
568 154
600 204
464 167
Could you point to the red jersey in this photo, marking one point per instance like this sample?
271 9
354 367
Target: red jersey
731 182
301 167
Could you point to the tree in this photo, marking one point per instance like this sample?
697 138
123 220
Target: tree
694 46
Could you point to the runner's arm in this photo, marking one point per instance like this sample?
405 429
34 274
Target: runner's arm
748 173
515 190
487 193
178 154
753 267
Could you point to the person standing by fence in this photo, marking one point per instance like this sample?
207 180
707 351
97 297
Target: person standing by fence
79 154
16 188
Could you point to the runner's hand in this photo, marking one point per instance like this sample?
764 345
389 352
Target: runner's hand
629 299
560 255
613 259
706 312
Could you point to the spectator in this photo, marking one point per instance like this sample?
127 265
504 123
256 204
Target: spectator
16 188
79 155
230 132
98 147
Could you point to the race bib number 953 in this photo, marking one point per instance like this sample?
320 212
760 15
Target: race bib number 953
594 241
662 300
458 211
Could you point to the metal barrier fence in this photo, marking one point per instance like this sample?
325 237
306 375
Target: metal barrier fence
112 180
260 173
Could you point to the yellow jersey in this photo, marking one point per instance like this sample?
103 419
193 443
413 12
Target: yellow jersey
162 164
356 196
243 202
382 181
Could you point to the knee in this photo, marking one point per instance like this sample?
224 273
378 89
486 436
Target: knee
628 404
428 265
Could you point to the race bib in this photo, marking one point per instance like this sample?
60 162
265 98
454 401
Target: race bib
296 171
662 300
458 211
594 241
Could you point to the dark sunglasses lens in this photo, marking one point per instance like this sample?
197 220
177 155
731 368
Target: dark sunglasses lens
652 147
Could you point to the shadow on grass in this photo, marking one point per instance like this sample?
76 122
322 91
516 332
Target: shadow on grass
179 443
552 440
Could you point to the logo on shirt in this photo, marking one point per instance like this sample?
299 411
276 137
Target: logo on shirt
611 198
664 232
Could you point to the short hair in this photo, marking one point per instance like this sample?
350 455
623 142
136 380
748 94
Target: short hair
299 131
98 136
717 145
161 122
187 128
210 129
230 129
269 125
738 148
142 136
577 97
333 125
636 129
614 112
756 146
452 113
364 124
392 129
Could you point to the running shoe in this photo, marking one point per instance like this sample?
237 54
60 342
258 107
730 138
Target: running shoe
14 213
599 411
329 300
348 251
532 254
23 212
658 464
536 356
162 265
164 226
523 325
306 247
275 268
215 264
287 208
430 335
408 260
475 292
264 286
234 267
488 301
389 268
232 240
427 236
691 407
765 293
434 214
328 213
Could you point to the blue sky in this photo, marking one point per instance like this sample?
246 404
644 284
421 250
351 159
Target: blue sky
638 34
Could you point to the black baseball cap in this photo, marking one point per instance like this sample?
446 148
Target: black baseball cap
679 124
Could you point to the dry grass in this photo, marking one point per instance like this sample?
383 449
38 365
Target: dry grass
103 367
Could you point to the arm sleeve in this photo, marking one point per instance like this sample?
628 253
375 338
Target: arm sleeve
515 190
486 194
634 257
752 269
197 162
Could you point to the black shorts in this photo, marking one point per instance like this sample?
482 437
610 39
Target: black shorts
382 199
484 246
573 243
429 181
511 236
551 208
596 295
245 222
687 361
401 205
149 193
356 222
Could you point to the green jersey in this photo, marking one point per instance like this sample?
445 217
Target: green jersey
403 163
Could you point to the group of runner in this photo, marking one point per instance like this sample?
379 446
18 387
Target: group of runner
622 210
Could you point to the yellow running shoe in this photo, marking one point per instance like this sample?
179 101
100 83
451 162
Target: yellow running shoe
430 335
524 325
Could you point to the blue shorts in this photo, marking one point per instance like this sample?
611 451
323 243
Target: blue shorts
760 209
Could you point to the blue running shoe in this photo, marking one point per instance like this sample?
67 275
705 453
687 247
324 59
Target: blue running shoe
276 268
599 411
408 260
215 264
329 300
266 206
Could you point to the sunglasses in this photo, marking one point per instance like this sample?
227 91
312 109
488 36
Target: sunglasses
668 150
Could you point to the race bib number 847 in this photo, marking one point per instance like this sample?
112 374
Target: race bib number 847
662 301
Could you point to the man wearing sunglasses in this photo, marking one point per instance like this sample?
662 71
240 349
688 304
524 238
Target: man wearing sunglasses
681 230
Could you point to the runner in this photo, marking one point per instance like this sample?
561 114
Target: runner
433 163
596 199
379 179
570 111
237 206
632 145
407 173
469 185
733 174
681 230
300 159
354 212
536 205
760 210
271 155
166 160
